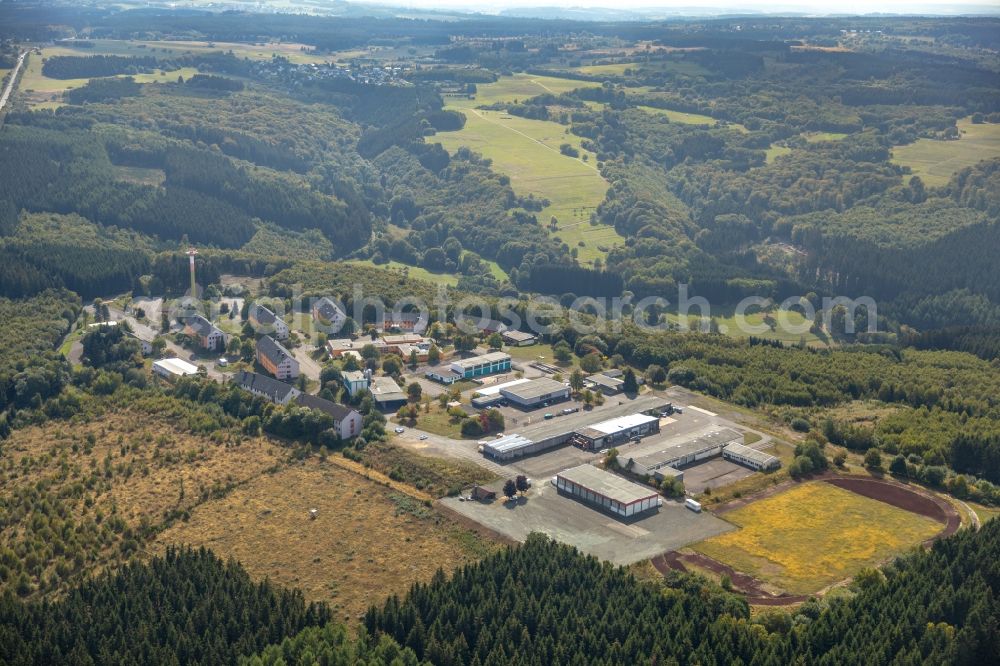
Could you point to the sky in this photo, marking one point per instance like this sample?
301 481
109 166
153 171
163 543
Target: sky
778 6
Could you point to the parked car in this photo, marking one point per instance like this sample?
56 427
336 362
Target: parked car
548 416
399 431
423 437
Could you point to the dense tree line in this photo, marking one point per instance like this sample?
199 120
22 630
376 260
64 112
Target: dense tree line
94 66
103 90
187 606
545 603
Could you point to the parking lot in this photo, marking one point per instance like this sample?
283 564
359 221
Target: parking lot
570 521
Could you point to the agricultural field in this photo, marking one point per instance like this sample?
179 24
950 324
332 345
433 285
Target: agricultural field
295 52
936 160
366 542
813 535
41 91
528 151
518 87
618 69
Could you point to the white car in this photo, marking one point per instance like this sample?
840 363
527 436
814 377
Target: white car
423 437
399 431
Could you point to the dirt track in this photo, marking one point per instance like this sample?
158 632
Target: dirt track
882 490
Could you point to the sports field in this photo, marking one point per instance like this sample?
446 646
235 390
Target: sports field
528 151
815 534
936 160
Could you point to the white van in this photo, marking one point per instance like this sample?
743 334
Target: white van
694 506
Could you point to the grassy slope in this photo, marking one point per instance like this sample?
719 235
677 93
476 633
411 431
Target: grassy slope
528 152
935 160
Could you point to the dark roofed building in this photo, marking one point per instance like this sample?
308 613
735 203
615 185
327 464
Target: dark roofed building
346 420
276 359
207 334
277 392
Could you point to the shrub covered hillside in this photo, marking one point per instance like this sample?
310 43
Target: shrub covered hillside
546 604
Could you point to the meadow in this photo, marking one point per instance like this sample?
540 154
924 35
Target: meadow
814 535
528 151
689 118
44 92
790 326
936 160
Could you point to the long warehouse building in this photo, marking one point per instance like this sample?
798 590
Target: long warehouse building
615 431
649 460
606 491
536 392
748 457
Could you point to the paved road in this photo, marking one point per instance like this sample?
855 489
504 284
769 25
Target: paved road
10 82
308 366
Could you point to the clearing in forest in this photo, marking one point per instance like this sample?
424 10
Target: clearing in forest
528 152
936 160
815 534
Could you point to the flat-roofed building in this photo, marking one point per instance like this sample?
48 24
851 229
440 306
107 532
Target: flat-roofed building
615 431
386 393
489 396
650 459
606 491
748 457
536 392
355 381
479 366
605 384
518 338
174 368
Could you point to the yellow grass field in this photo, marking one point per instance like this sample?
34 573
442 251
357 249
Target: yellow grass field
813 535
935 161
367 541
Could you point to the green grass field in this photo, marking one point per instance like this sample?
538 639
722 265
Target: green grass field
813 535
774 152
935 161
416 272
816 137
689 118
519 87
44 92
528 152
618 69
789 326
166 48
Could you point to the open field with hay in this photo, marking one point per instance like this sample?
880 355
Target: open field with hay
935 161
366 542
813 535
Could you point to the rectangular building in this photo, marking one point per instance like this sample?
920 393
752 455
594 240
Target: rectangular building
277 392
386 393
265 322
479 366
328 316
510 448
355 381
173 368
616 431
207 335
536 392
604 490
277 360
748 457
518 338
346 420
605 384
649 460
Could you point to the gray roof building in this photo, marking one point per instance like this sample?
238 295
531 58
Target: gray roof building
272 389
